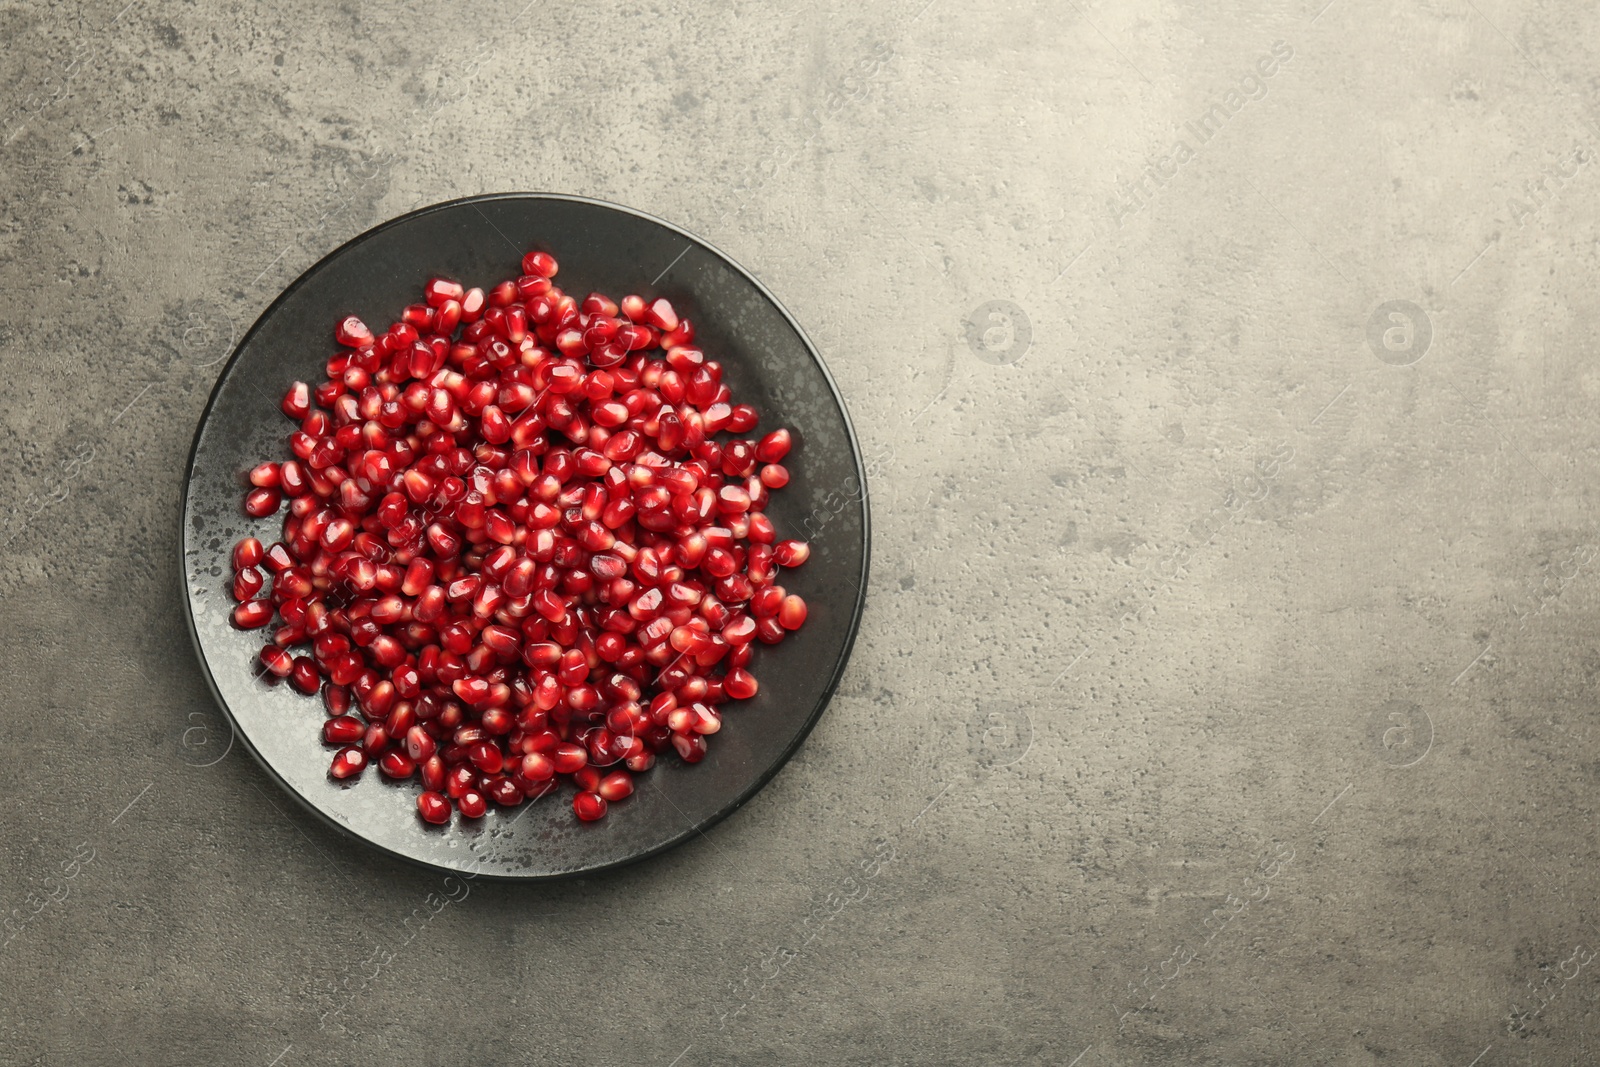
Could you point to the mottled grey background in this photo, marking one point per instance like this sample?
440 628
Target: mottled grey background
1226 689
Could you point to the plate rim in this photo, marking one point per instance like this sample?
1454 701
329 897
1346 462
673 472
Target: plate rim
760 782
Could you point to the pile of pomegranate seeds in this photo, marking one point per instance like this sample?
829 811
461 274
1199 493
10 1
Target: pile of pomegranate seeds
515 547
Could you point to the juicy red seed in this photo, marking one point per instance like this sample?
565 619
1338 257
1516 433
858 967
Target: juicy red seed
247 583
537 766
661 316
792 612
504 791
433 773
348 763
343 730
569 758
247 553
397 765
420 745
742 419
277 661
589 806
259 503
773 447
433 807
791 554
265 476
297 401
439 290
542 264
616 786
691 748
253 614
472 805
740 684
353 333
304 676
487 757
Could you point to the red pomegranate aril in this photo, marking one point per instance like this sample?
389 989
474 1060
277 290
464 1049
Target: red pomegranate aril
504 791
276 661
791 553
348 763
297 401
569 758
487 757
434 807
304 675
589 806
773 447
691 748
420 745
618 785
542 264
460 778
537 766
472 805
265 476
247 583
253 614
343 730
397 765
259 503
247 553
792 612
439 290
740 684
433 773
353 333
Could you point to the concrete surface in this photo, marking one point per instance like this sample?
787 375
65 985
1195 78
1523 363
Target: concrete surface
1227 690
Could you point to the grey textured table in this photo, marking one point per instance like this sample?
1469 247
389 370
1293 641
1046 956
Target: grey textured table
1227 686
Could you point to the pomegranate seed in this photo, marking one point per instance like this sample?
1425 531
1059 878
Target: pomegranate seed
353 333
540 263
661 316
792 613
791 554
773 447
277 661
253 614
247 583
420 745
259 503
265 476
343 730
472 805
740 684
348 763
615 786
303 675
247 553
433 807
505 792
589 806
397 765
297 401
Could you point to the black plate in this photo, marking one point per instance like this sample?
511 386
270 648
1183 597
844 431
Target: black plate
769 362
